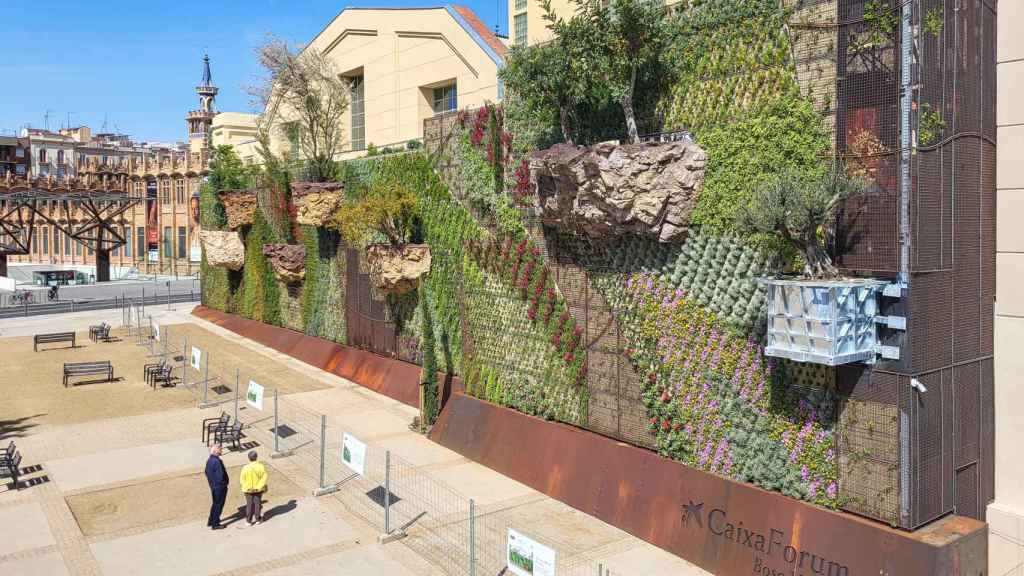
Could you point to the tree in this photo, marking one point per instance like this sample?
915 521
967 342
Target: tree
304 98
550 75
799 208
389 209
619 39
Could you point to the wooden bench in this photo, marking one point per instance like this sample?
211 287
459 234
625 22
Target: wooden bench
73 369
52 338
10 464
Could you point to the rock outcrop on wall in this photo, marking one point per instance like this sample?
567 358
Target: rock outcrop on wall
240 206
398 270
223 249
649 189
317 201
287 260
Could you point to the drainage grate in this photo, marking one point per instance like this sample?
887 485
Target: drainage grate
284 431
221 389
377 495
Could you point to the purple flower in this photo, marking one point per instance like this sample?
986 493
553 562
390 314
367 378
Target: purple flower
805 472
831 490
812 490
830 455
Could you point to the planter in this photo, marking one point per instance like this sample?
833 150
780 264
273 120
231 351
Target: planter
397 269
240 206
825 322
317 201
223 249
287 260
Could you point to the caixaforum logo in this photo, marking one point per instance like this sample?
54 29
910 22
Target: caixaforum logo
770 550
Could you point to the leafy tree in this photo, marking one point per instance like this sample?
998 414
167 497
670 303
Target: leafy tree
616 41
389 208
305 99
546 76
799 208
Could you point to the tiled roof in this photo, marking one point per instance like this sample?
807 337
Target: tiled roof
485 33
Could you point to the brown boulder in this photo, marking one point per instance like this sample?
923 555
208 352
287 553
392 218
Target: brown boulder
287 260
223 249
649 189
317 201
397 270
240 206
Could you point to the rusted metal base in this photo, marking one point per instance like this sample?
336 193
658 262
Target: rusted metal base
723 526
393 378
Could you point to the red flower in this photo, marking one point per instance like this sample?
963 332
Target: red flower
569 357
666 425
678 426
577 331
665 397
531 313
654 421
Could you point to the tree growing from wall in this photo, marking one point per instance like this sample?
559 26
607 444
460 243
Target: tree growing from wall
388 209
800 209
305 99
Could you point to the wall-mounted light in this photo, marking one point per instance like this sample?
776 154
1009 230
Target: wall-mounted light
916 384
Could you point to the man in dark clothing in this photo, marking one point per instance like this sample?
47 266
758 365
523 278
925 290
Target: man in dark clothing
217 476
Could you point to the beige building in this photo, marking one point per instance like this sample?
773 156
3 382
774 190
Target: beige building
1006 514
526 20
238 130
405 65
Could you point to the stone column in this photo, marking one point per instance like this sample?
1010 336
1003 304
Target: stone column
1005 515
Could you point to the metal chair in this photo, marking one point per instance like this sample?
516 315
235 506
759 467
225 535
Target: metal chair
212 424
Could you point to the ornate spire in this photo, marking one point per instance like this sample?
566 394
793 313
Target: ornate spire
207 79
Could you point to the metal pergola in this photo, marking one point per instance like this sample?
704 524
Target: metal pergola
24 204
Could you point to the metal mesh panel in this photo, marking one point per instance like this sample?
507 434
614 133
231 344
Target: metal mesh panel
367 320
931 321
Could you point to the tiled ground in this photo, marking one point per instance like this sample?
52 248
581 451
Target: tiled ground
116 486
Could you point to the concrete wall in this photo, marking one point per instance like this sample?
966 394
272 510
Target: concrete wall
1006 514
402 55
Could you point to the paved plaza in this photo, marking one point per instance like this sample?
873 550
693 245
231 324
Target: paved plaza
114 480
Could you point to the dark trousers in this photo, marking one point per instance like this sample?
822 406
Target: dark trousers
253 506
219 496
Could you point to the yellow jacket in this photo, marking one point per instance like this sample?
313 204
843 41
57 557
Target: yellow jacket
253 477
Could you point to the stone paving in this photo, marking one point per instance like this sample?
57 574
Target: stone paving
120 493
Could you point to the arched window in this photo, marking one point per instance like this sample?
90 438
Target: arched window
42 155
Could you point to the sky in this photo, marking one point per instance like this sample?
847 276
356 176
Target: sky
135 65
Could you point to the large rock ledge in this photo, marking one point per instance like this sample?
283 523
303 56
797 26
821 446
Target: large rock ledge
317 201
287 260
398 270
240 206
607 190
223 249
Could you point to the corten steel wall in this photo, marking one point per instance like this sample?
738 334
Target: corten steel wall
944 437
725 527
393 378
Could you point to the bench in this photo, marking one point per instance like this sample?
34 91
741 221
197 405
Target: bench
52 338
10 464
73 369
100 333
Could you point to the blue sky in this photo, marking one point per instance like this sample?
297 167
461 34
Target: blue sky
137 63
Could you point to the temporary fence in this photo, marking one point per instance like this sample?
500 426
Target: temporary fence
395 496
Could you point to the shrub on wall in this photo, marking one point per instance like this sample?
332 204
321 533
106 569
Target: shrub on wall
260 297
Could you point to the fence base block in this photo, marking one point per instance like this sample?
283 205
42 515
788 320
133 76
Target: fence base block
393 537
325 491
282 454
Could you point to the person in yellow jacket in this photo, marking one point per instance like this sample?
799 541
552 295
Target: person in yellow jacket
254 484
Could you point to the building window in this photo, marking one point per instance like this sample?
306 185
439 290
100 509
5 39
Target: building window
167 241
67 245
520 24
60 157
140 242
19 152
19 169
81 159
165 192
46 241
445 99
127 241
42 155
520 5
181 242
78 248
357 105
179 191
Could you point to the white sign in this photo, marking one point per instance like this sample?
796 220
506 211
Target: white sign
197 357
254 396
156 332
353 453
154 255
195 254
528 558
